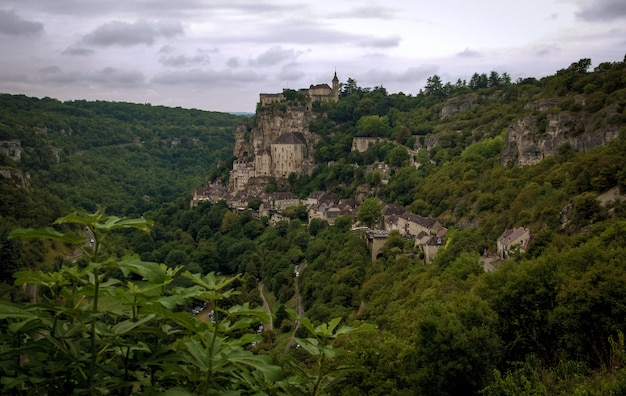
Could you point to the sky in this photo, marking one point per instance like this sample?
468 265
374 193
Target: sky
219 55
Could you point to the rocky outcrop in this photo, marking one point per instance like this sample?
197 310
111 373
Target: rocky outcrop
458 104
270 122
533 138
15 176
12 149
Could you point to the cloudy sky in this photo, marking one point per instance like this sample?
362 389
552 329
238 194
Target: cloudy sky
220 54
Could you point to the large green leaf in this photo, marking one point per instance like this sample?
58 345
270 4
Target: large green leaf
83 218
115 223
126 326
152 272
210 281
46 233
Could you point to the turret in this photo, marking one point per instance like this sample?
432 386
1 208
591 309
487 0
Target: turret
336 87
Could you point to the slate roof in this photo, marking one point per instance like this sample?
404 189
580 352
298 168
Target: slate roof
320 86
511 235
393 209
284 195
291 138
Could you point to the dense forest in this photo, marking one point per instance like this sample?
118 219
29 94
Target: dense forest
117 317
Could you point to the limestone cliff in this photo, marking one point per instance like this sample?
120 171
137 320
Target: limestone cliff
458 104
534 137
269 123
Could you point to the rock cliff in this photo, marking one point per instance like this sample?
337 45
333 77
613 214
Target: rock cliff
458 104
535 137
268 124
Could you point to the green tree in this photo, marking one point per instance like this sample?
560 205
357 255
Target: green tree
370 211
398 156
373 125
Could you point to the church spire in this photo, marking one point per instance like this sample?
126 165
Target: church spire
336 86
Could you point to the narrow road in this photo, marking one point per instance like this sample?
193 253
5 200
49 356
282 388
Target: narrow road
299 307
266 307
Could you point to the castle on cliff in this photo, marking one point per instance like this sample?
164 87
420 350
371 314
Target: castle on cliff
279 143
319 92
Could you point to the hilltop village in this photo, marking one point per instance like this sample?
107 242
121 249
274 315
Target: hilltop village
280 144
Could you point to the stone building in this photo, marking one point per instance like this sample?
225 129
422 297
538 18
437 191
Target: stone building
321 92
278 142
361 144
512 240
288 153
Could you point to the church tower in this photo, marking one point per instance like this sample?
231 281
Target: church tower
336 87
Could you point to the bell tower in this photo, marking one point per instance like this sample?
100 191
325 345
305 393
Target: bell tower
336 87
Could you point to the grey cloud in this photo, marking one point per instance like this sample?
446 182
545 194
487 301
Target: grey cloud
380 42
292 72
410 75
50 69
184 60
603 10
77 51
274 56
413 74
108 76
126 34
468 53
113 76
55 75
207 77
13 25
547 50
233 62
150 9
307 32
366 13
166 49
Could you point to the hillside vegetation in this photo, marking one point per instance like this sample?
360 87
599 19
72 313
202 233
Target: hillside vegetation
550 320
125 157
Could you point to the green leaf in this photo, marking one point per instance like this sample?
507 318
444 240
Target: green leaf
46 233
152 272
311 345
115 223
125 326
245 310
306 323
83 218
326 330
210 282
364 328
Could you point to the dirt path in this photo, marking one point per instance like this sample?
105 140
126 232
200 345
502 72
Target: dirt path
266 307
205 315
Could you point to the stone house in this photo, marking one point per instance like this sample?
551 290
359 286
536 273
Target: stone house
241 174
431 247
213 193
516 238
410 224
284 199
313 198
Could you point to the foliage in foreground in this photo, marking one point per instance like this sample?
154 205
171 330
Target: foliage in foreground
117 325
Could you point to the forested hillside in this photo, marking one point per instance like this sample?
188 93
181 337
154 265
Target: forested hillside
481 156
125 157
